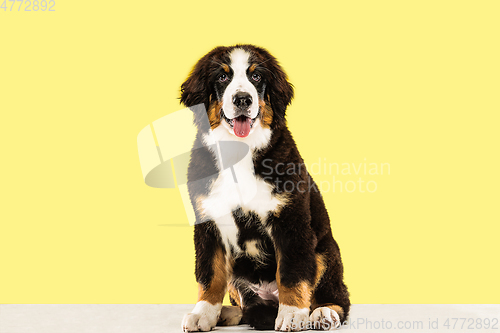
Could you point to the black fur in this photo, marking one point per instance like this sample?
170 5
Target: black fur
260 316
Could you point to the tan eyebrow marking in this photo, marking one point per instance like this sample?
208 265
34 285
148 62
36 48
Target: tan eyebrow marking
226 68
252 68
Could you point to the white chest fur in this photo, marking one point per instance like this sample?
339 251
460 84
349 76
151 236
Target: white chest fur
239 187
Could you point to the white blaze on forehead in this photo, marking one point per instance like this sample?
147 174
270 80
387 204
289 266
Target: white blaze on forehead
239 83
239 60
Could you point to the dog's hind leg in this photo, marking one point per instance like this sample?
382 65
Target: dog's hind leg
230 316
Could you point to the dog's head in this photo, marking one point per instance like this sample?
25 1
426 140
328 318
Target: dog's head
241 86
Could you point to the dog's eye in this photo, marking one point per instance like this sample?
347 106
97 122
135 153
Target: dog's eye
256 77
223 78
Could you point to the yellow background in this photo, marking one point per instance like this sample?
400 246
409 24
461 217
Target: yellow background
410 83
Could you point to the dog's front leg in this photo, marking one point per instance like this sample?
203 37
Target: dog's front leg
212 276
295 278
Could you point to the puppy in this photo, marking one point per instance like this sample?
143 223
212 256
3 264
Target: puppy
262 231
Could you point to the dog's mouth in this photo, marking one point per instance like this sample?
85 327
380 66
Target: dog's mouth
241 125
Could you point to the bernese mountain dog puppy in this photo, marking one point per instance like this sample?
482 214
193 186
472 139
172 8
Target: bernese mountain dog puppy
262 231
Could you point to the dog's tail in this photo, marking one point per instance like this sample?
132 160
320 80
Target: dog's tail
260 316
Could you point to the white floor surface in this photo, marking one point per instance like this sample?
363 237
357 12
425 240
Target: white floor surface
166 318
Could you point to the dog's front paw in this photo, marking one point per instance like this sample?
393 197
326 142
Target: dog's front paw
291 319
325 319
194 322
202 319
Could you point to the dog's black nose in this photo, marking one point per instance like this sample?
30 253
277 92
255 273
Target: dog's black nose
242 100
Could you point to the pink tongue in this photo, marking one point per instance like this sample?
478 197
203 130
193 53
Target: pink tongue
242 126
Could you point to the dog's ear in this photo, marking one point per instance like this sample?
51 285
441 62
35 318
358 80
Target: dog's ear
195 89
280 91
